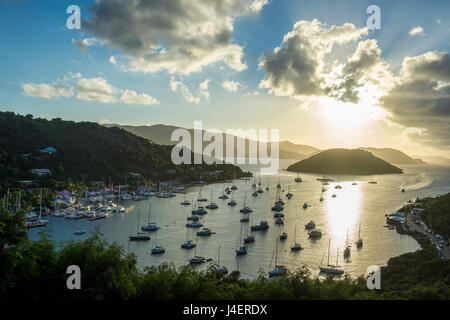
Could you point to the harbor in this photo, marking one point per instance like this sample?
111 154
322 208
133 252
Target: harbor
358 208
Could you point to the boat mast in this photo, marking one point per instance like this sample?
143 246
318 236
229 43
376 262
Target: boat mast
218 258
40 205
329 243
276 252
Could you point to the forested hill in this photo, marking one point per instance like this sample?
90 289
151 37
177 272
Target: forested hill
85 151
344 161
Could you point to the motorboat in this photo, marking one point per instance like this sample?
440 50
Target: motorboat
140 236
151 226
241 251
188 245
205 232
194 224
212 205
232 203
310 225
305 205
79 232
283 236
263 225
315 234
158 250
200 211
197 260
249 239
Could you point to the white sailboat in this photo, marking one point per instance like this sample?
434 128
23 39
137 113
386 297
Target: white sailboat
220 269
279 269
330 269
139 236
157 249
359 242
296 246
151 226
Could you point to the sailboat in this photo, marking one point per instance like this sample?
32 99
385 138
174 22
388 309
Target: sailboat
232 202
289 195
242 248
139 236
246 209
248 237
296 246
371 180
298 179
283 235
347 248
200 198
359 243
185 202
196 259
188 244
330 269
212 205
279 269
151 226
219 269
157 249
39 222
234 186
223 196
260 190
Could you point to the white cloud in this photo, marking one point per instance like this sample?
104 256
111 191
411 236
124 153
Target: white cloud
298 67
113 60
96 89
104 121
48 91
231 86
416 31
84 44
89 89
178 36
179 86
131 97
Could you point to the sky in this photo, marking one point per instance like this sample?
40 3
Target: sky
312 69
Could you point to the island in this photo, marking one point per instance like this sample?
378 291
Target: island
344 161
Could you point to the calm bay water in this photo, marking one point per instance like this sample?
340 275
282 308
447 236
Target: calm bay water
364 204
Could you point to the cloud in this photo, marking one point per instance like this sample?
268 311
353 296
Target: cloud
416 31
89 89
96 89
297 68
84 44
131 97
104 121
48 91
420 98
178 36
231 86
179 86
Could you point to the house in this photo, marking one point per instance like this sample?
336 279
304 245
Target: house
48 150
41 172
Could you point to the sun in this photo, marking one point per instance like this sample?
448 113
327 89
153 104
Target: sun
344 116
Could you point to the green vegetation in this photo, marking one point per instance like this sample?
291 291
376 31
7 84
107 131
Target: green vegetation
437 214
87 152
33 270
344 161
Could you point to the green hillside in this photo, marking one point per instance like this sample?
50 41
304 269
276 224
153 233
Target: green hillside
87 151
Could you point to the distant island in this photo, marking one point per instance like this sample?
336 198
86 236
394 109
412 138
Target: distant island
344 161
393 156
161 134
